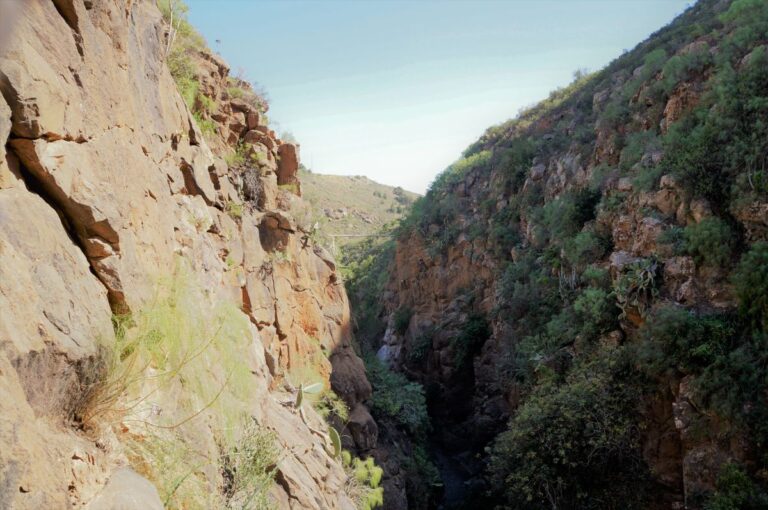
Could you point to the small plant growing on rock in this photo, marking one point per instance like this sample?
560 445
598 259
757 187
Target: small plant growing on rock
363 482
310 389
238 157
291 188
235 210
249 469
330 406
335 439
636 287
176 363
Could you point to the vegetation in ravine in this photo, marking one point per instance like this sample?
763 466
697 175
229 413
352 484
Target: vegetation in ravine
572 442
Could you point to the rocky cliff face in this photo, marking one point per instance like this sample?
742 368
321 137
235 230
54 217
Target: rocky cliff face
595 196
108 188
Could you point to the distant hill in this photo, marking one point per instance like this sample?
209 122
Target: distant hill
352 205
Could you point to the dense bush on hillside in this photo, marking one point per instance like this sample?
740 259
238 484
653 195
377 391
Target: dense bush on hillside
574 445
568 325
735 490
397 398
751 281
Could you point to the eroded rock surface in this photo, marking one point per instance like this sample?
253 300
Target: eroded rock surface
106 184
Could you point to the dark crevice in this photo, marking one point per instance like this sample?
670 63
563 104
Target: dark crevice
282 482
33 185
68 12
190 183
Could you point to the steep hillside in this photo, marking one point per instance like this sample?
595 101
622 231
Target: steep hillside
352 206
583 296
165 313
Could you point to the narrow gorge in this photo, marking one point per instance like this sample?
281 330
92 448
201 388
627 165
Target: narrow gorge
573 316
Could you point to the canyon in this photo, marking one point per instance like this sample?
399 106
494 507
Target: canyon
573 316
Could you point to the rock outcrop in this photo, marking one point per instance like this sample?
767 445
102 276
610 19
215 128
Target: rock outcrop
493 219
107 186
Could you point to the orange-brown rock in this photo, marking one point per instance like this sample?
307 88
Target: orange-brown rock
288 167
102 195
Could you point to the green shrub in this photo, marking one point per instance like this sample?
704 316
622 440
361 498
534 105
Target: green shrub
329 405
573 445
637 286
470 339
238 157
734 386
751 281
528 293
612 202
423 477
710 242
736 491
565 216
681 67
183 72
249 469
397 398
584 248
185 40
505 230
636 145
596 312
726 135
454 173
648 178
676 338
363 482
693 154
515 161
596 276
674 239
206 104
402 319
234 210
207 126
364 267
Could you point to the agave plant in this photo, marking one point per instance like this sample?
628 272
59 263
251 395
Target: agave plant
308 390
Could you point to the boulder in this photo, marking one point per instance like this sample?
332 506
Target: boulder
648 231
288 166
624 184
363 429
537 172
253 136
254 120
127 490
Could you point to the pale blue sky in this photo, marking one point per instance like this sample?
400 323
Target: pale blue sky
396 90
